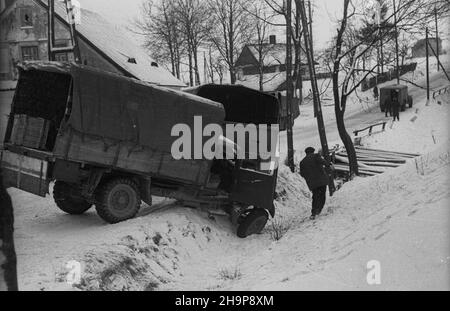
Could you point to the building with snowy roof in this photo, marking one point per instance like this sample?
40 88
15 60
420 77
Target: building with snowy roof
23 37
270 59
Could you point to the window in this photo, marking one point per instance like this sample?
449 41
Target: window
30 53
26 17
62 57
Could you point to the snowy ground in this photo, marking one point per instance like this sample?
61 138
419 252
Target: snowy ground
399 219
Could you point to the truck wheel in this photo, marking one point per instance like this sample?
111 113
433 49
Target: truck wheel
118 200
67 201
253 223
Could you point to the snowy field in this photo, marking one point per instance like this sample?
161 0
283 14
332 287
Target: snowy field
399 219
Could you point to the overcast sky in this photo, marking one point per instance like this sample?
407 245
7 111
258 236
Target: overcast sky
326 13
122 11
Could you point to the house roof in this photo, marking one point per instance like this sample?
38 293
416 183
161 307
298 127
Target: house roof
273 53
421 42
111 41
272 82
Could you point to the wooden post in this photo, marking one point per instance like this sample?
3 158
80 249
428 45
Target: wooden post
315 89
437 37
310 24
396 43
428 64
289 86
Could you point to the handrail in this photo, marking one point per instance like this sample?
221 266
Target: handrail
442 90
370 128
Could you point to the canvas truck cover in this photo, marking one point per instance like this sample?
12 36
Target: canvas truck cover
126 110
242 104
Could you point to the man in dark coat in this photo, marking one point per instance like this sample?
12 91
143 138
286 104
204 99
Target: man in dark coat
396 106
388 107
375 93
313 169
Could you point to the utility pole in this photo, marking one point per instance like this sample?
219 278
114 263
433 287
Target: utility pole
380 43
211 68
380 47
437 36
396 43
428 65
312 43
310 24
205 69
315 89
289 86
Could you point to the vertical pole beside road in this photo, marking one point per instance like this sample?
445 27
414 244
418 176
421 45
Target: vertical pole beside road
437 36
428 65
396 44
289 86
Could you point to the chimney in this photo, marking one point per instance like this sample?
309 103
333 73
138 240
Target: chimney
272 39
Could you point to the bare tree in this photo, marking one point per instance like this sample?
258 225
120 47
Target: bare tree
260 18
279 9
232 30
158 25
405 45
194 22
349 49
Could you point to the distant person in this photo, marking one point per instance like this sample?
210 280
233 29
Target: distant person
313 169
396 106
376 94
388 107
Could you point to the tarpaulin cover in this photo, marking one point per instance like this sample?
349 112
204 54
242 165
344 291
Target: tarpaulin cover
123 109
242 104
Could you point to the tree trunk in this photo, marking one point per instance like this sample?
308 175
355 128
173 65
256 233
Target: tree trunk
178 61
197 73
8 261
315 88
191 74
348 143
211 69
261 73
232 75
340 102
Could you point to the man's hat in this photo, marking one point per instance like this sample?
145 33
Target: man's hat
310 150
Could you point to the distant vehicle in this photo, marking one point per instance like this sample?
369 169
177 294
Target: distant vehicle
386 94
105 140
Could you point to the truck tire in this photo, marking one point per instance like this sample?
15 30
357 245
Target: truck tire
118 200
253 223
63 194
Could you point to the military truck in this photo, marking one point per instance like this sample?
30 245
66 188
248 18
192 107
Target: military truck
105 140
387 93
